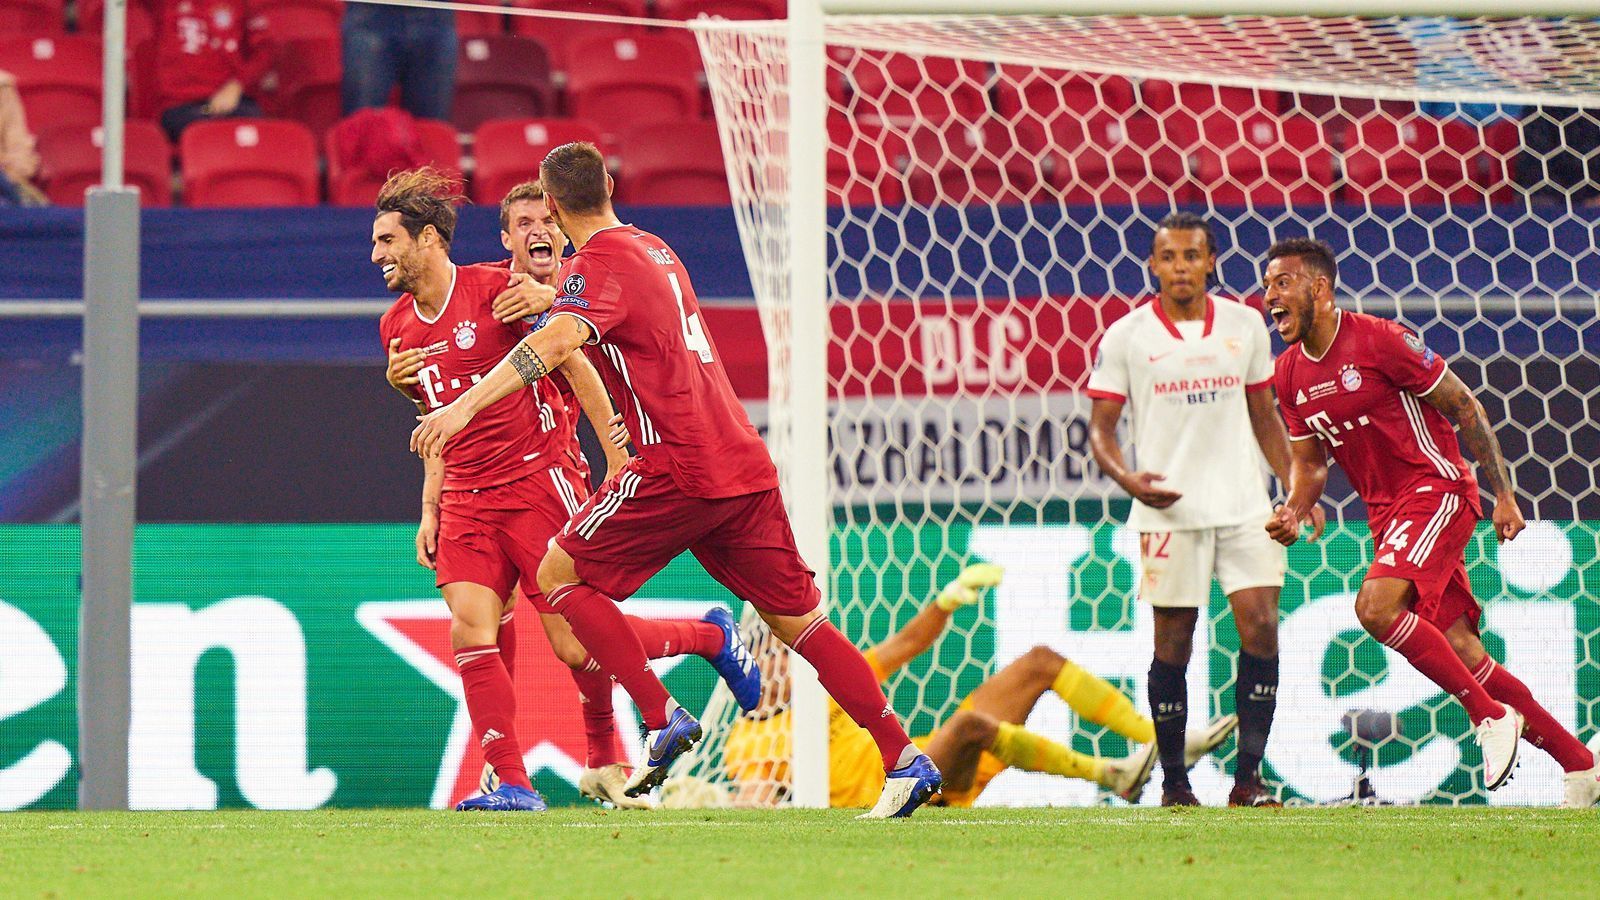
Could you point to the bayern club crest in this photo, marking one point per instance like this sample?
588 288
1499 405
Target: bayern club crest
1350 378
466 334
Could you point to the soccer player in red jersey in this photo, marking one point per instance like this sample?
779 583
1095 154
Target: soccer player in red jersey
1369 392
702 480
536 247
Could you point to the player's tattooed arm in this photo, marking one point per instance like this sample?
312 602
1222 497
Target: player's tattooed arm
1451 397
550 346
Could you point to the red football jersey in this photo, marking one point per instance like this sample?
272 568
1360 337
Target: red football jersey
1361 399
517 436
660 364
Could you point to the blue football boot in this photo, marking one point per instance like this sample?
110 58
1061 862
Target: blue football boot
505 798
906 788
734 663
661 748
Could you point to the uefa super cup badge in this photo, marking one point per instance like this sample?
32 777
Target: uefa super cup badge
1350 377
466 334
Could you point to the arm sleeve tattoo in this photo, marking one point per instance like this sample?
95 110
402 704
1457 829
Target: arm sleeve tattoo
528 364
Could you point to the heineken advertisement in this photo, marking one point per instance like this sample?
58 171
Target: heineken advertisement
297 666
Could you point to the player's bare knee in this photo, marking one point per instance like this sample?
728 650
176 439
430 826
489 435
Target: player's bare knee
1041 660
973 729
1376 610
556 570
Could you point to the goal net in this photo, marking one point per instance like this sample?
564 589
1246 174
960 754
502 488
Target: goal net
993 184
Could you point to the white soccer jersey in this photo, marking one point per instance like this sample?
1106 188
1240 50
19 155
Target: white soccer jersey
1184 384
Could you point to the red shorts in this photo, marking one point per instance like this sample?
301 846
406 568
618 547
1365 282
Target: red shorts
1423 539
637 522
498 535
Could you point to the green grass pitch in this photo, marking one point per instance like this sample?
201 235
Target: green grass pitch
1411 852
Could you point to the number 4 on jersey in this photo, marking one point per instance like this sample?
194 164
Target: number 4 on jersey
694 337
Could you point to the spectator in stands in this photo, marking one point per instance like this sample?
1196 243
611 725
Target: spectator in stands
412 47
1560 157
210 58
18 161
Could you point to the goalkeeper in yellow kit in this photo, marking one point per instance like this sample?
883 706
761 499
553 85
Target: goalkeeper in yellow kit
982 739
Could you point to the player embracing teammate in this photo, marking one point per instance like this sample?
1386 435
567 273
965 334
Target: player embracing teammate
1370 393
702 480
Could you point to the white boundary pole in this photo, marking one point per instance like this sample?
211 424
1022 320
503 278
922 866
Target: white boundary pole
810 498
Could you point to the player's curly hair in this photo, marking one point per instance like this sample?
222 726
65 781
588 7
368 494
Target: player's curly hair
575 174
423 197
1187 221
528 190
1314 254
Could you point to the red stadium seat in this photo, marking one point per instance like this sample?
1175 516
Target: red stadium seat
672 164
1193 114
561 36
1056 108
1271 162
962 164
1122 161
864 164
249 162
901 91
310 83
632 81
727 9
290 20
1502 141
479 24
141 20
1416 159
70 165
499 78
58 77
35 17
508 151
358 188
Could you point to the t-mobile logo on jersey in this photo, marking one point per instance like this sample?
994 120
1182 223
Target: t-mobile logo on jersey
1323 424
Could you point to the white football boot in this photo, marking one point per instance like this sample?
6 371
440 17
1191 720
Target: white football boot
1499 740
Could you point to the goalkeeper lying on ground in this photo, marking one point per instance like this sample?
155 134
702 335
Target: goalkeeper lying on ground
982 739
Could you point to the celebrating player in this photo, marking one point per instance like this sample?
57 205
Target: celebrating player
702 480
983 738
492 503
1195 370
1372 394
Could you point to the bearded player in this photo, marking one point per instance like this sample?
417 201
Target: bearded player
1371 394
492 503
702 480
1195 372
984 737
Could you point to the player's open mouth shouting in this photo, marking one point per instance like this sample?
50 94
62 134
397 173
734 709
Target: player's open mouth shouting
541 253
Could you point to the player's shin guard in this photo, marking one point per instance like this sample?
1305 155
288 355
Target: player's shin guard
1429 651
492 706
601 628
1022 749
1096 700
599 719
1169 693
1541 729
845 675
1255 698
675 638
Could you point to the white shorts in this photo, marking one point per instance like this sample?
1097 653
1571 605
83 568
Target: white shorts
1177 566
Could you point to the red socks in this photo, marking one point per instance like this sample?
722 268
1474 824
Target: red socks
1542 730
675 638
599 719
603 630
1429 651
492 704
507 642
845 675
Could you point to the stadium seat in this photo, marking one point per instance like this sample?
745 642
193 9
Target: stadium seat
357 188
70 156
1269 162
310 83
58 78
1121 162
961 164
672 164
508 151
141 20
900 91
727 9
1416 159
1193 114
560 37
1049 108
1502 142
36 17
631 81
249 162
864 164
479 24
290 20
499 78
